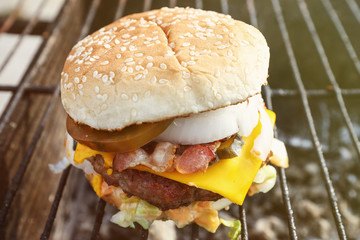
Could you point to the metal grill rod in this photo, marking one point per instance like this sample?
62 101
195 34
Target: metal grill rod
147 5
282 178
198 4
120 9
42 53
244 231
314 92
33 89
54 207
30 26
319 47
224 6
98 219
341 30
12 17
16 180
315 139
354 8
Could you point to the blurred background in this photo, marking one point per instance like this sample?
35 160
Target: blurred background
314 88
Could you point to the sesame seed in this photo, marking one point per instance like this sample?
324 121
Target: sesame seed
231 35
92 59
192 47
222 47
104 63
130 63
124 96
80 86
145 72
191 62
83 79
135 97
230 53
130 70
187 88
244 43
107 46
105 78
97 90
157 41
81 93
163 66
149 58
163 81
184 64
172 45
139 67
132 48
77 69
217 74
139 54
217 43
124 69
98 76
153 79
129 60
77 80
137 77
186 44
126 43
186 75
117 41
125 36
147 93
123 49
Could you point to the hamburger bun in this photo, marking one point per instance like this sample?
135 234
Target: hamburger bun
162 64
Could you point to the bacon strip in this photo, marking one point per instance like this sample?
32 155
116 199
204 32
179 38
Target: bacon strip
164 158
195 158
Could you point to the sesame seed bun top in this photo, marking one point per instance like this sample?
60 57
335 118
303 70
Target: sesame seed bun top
162 64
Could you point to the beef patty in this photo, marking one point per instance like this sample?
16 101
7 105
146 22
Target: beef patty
161 192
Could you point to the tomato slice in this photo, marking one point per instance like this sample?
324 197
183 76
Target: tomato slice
125 140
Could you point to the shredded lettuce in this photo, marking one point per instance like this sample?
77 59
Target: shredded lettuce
264 180
135 210
235 226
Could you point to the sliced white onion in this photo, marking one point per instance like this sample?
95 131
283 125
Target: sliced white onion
214 125
263 141
279 156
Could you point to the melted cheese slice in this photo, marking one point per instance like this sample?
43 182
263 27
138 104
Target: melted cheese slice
231 178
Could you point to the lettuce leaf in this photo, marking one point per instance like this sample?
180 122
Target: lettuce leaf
135 210
235 226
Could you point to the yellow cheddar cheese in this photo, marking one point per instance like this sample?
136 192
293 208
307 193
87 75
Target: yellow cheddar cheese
231 178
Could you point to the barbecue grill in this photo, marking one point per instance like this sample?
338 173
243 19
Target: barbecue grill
314 89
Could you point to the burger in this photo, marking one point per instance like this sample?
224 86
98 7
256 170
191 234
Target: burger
166 118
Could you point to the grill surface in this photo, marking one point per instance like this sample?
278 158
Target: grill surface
314 89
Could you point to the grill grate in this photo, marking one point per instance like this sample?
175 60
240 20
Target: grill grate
53 31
